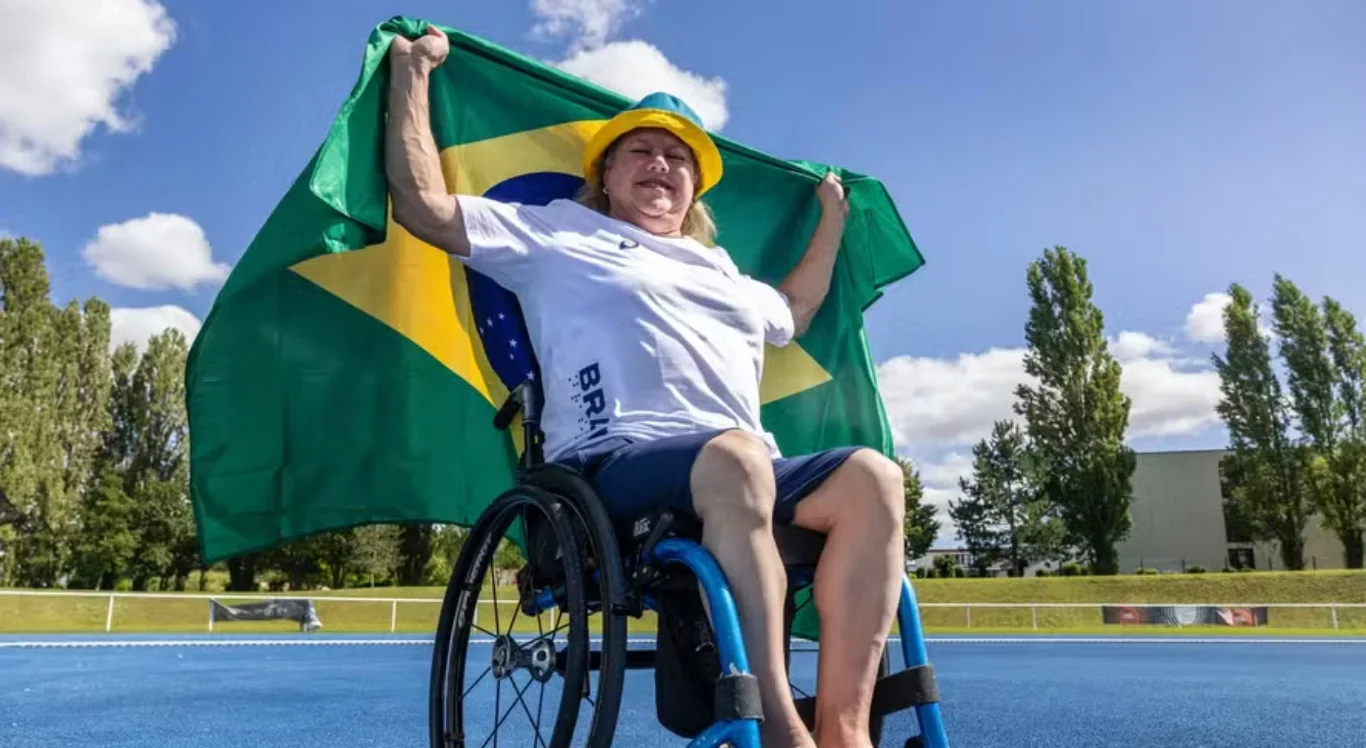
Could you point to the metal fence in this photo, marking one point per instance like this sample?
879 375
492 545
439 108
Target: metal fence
166 611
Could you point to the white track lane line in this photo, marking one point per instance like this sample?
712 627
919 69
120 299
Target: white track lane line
306 642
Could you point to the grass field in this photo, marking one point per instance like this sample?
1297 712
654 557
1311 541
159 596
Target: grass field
420 606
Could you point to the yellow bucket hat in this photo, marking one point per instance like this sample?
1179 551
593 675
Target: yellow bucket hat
667 112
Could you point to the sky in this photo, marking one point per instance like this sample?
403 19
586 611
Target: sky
1178 147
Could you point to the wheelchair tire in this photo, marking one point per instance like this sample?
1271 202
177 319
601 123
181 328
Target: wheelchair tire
602 557
447 691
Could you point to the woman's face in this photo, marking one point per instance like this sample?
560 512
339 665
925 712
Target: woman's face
650 180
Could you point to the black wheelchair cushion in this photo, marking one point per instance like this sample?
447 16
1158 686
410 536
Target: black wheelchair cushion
686 663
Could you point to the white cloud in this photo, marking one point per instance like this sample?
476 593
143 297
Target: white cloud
933 402
1132 346
946 470
589 23
1205 322
635 68
63 68
1168 401
632 68
137 325
938 404
157 251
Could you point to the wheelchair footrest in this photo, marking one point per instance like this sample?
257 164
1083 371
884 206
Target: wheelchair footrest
901 690
737 697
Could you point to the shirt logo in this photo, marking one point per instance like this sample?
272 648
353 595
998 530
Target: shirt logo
627 244
591 400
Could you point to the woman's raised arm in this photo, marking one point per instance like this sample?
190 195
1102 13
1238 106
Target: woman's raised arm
808 283
417 188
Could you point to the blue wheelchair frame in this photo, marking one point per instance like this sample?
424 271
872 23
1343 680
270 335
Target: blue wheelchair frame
744 733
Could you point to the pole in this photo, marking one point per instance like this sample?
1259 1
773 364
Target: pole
969 607
1334 608
109 616
393 617
1034 617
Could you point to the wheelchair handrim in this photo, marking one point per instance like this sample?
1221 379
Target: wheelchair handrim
452 650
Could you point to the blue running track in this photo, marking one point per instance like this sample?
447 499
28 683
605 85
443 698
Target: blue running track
202 692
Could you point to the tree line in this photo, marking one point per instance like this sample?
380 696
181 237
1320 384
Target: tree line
94 471
1056 484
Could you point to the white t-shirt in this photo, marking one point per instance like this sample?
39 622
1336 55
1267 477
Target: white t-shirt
637 335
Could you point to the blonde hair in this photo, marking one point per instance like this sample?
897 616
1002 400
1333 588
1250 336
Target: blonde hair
698 223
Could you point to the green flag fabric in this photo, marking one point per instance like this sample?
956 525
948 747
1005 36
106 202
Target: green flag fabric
340 378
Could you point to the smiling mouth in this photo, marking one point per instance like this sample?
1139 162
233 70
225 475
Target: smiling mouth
655 183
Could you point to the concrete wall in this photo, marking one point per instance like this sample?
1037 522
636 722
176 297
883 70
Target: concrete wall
1177 513
1322 550
1178 516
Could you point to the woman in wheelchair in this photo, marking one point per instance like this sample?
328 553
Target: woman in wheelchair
650 344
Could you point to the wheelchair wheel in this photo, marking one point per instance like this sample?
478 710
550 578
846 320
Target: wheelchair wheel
537 673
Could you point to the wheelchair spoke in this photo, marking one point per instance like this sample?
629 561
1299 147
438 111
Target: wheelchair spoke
542 637
497 706
483 630
476 682
540 704
536 724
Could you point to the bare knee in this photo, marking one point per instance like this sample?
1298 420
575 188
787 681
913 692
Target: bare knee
883 488
732 480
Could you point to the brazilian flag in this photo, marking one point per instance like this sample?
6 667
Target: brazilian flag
348 373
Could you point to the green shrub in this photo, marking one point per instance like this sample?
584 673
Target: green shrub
959 572
1195 569
1043 573
1074 569
1145 570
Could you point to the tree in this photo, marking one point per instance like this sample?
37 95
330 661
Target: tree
921 523
105 546
1002 515
1347 348
377 551
1314 395
149 438
1075 414
1268 475
415 550
242 572
51 377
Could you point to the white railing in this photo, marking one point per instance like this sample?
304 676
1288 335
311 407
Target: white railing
112 596
1033 607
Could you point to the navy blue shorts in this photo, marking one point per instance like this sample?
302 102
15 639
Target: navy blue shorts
637 478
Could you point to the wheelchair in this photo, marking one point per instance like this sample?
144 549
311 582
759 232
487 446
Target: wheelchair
579 566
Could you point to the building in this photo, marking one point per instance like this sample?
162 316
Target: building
1180 519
